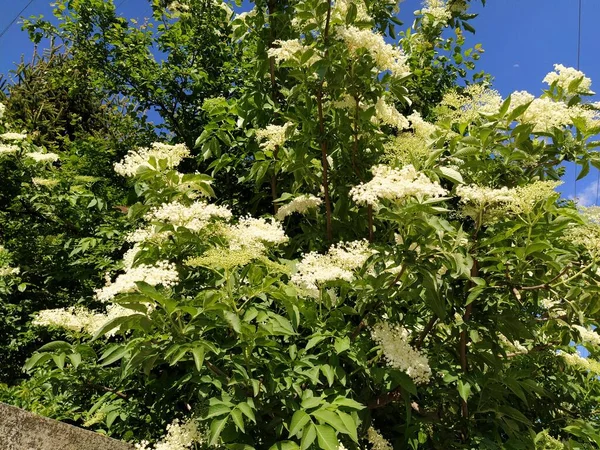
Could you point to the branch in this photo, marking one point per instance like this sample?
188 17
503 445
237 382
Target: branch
396 395
425 332
361 324
546 285
324 162
107 389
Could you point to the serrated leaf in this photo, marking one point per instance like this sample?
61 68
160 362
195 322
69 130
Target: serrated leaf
238 419
233 320
216 428
326 437
247 411
299 420
217 410
330 418
198 353
350 424
308 436
285 445
341 344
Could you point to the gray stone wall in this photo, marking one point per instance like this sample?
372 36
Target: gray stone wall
22 430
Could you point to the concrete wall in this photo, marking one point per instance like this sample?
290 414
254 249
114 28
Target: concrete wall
22 430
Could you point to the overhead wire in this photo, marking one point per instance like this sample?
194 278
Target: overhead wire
11 23
578 65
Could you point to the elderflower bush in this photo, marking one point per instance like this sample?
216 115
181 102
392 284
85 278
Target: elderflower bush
430 292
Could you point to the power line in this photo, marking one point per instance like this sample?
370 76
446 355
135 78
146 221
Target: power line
3 32
578 61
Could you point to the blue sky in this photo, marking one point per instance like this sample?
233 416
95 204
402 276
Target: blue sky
522 39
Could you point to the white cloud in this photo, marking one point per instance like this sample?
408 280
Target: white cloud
517 65
587 197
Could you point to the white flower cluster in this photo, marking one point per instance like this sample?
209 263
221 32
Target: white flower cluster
421 127
476 99
194 217
251 233
545 113
338 263
389 115
180 436
377 441
2 110
396 348
45 182
386 56
578 362
292 50
42 157
162 273
80 319
588 336
136 159
436 12
178 7
393 184
9 149
300 205
514 346
273 136
519 200
564 76
340 11
7 271
148 234
13 136
483 196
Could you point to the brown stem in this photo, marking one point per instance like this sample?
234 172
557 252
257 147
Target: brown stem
216 370
425 332
324 163
107 389
355 166
271 10
547 284
274 181
464 340
396 395
361 324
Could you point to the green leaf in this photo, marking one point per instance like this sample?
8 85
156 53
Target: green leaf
247 410
198 353
308 436
341 344
285 445
311 402
111 325
350 424
328 372
326 437
464 390
216 428
113 355
238 419
75 359
330 418
233 320
299 420
37 359
55 345
217 410
348 402
451 174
